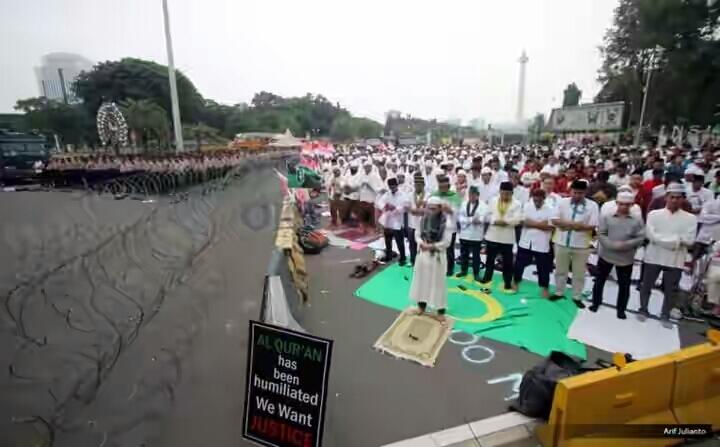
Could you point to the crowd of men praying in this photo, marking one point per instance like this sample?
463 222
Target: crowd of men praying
521 205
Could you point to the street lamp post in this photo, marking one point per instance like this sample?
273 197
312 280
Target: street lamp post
646 89
177 125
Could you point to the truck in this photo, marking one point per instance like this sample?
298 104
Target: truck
23 156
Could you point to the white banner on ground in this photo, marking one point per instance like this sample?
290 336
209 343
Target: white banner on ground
603 330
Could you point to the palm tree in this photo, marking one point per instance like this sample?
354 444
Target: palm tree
146 119
202 132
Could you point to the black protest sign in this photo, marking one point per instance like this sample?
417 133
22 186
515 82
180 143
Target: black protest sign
286 387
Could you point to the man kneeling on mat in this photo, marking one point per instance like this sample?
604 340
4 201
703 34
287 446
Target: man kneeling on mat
433 237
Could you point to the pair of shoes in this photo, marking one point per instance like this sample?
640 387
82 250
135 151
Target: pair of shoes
621 315
461 275
579 304
593 308
643 315
665 322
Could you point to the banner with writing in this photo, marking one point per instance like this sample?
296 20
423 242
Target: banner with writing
286 387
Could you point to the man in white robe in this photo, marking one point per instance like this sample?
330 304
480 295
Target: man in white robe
433 236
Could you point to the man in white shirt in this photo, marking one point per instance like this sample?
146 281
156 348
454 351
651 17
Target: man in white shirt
552 168
576 219
334 191
370 185
393 205
521 192
472 216
415 212
670 231
535 241
697 194
505 215
351 188
620 177
551 197
486 188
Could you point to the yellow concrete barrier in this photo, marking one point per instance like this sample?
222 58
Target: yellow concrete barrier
603 401
678 388
696 397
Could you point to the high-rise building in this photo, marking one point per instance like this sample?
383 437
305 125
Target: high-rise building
57 73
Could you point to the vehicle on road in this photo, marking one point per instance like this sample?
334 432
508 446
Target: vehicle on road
23 156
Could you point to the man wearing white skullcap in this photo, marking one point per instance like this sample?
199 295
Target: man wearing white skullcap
486 187
619 235
609 208
670 232
433 237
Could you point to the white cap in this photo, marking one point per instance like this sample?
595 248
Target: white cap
434 201
486 170
625 197
676 188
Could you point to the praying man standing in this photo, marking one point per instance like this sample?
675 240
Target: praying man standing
433 238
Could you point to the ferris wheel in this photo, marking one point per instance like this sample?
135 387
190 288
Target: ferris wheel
112 128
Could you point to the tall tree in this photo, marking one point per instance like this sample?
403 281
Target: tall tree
571 95
146 120
137 79
681 39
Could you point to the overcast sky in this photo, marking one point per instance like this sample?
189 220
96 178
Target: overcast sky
441 58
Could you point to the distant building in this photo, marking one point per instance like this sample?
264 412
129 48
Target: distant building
57 73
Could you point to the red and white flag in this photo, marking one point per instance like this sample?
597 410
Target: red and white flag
283 183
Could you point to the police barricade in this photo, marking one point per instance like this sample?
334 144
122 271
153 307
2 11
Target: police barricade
696 397
629 405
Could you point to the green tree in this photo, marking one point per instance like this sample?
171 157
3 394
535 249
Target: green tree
343 129
71 123
681 39
146 120
571 95
536 127
138 79
201 132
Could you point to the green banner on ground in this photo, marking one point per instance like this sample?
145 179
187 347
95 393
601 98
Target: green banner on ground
525 320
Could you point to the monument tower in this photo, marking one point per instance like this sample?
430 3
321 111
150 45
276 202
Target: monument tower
520 116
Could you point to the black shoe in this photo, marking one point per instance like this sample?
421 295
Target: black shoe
402 263
593 308
385 259
556 297
622 316
449 274
461 275
579 304
477 278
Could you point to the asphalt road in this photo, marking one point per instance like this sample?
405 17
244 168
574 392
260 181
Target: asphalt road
124 323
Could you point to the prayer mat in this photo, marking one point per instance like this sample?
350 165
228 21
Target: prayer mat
413 337
525 319
356 235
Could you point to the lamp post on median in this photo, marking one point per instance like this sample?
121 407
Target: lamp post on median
646 89
177 124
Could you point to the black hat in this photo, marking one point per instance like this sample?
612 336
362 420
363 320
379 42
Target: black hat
392 181
579 184
506 186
